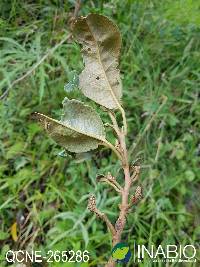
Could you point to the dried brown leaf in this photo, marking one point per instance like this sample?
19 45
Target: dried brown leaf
101 41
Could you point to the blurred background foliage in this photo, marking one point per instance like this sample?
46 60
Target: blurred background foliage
47 194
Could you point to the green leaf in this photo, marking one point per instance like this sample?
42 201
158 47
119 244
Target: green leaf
84 234
15 150
64 154
42 76
20 162
190 176
3 235
79 130
100 80
81 157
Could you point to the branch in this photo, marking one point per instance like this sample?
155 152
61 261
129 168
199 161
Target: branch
121 149
110 183
109 145
109 179
114 122
136 173
124 121
121 221
92 207
109 125
136 197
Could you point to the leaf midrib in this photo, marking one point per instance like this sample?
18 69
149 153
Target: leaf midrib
75 130
100 62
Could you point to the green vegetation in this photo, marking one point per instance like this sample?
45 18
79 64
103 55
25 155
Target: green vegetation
46 193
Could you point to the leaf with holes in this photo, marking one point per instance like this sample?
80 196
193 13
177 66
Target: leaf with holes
79 130
73 83
101 41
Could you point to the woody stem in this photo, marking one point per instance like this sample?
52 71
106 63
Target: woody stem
121 221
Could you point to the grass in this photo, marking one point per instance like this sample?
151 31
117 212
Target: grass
47 194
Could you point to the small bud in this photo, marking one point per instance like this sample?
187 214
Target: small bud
137 196
92 203
110 177
118 225
133 200
137 169
136 172
138 192
99 177
117 144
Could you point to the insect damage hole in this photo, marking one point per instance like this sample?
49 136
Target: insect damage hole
98 78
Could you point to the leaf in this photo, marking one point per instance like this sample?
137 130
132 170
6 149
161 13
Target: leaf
15 150
79 130
72 84
20 162
84 234
14 232
3 235
101 41
42 76
81 157
64 154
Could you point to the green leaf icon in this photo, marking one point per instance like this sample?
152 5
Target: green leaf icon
120 251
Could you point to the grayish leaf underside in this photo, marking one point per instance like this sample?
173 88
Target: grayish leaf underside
79 130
